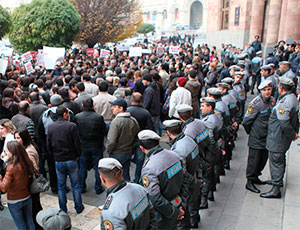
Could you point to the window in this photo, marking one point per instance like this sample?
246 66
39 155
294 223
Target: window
225 14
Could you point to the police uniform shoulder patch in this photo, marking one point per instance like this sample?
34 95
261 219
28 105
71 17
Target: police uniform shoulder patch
145 181
108 225
107 202
251 106
250 110
281 110
216 112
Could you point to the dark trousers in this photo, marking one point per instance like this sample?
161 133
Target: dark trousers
257 160
36 207
209 179
277 167
52 171
90 157
138 159
255 79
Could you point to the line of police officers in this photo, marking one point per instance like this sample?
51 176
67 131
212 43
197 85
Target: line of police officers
179 181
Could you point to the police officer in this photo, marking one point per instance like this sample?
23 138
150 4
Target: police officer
282 130
255 123
188 150
230 102
214 125
255 65
127 205
285 71
222 111
163 178
239 88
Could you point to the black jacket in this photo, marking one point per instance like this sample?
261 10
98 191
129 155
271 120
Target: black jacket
152 99
142 116
91 128
139 87
63 140
72 105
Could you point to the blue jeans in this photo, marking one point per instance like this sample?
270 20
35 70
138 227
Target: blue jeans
63 169
124 159
138 159
88 155
21 213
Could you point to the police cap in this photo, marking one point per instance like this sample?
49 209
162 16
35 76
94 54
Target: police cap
148 135
208 100
240 73
258 52
183 108
172 123
286 81
109 163
228 80
214 91
223 85
235 68
284 63
265 84
266 67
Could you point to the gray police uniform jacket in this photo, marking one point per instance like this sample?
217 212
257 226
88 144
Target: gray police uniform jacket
289 74
222 111
197 130
240 90
234 93
230 101
127 207
283 123
162 177
256 120
188 150
214 125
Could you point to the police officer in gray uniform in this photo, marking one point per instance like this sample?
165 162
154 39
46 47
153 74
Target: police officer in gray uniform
127 205
188 150
163 178
230 101
282 130
222 111
239 88
255 123
214 125
266 75
231 91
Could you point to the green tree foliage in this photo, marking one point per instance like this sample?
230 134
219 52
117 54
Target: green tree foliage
41 23
146 28
5 22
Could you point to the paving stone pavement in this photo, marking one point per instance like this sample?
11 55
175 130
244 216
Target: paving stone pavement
234 207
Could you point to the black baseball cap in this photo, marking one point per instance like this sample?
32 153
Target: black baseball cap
120 102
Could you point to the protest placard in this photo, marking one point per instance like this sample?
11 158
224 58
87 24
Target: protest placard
3 65
51 55
135 51
26 57
28 67
90 51
104 53
146 51
122 48
40 58
174 49
160 50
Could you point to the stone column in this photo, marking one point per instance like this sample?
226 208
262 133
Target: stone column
257 17
292 20
272 26
282 20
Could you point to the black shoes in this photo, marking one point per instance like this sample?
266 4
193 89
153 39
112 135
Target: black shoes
204 203
100 191
227 165
211 196
273 193
81 210
251 187
258 181
1 207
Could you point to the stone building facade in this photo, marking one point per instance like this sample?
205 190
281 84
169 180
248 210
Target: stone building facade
228 21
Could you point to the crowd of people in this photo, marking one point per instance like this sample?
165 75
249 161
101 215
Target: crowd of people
63 122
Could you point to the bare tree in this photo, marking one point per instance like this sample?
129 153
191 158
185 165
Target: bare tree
104 20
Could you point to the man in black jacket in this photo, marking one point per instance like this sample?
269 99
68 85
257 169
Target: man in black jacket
63 143
144 119
152 99
92 130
